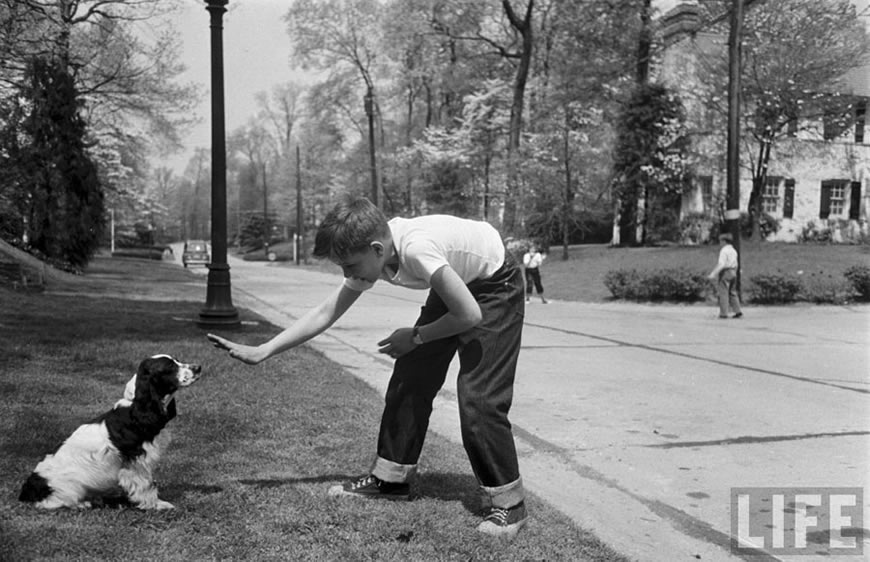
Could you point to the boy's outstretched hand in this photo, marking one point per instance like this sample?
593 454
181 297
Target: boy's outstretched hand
244 353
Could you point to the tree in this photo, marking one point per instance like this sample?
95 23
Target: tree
343 36
795 56
585 66
64 210
127 94
649 159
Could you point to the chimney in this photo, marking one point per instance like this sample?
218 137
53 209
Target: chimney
680 21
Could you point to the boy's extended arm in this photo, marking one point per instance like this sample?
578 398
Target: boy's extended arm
312 323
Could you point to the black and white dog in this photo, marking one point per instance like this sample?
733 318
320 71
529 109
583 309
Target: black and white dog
117 451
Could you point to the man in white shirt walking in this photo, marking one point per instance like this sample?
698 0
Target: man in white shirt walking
726 272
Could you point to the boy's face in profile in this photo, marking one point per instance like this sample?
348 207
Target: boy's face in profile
365 265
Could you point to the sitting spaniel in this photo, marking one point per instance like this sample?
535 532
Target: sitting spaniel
117 451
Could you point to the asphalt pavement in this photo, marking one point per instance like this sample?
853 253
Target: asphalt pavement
638 421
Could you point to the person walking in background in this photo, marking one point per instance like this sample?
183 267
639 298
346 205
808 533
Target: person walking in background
725 274
532 261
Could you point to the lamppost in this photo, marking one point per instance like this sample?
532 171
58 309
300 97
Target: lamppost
370 113
732 199
219 311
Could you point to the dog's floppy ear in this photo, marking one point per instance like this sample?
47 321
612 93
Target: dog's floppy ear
143 388
147 409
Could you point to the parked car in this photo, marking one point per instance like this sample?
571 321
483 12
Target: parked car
196 252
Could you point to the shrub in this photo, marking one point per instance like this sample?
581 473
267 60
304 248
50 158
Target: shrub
695 228
775 288
622 283
859 277
813 233
676 284
825 288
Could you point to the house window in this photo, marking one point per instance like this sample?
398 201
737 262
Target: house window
788 200
855 203
832 126
833 201
770 195
860 121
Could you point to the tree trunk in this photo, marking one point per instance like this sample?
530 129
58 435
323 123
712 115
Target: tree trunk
513 201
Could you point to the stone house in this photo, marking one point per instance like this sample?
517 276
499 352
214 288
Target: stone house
818 177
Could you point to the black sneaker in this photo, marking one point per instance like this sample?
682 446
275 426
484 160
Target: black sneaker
738 315
501 522
372 487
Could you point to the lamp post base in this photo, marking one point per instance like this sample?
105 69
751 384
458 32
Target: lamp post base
219 311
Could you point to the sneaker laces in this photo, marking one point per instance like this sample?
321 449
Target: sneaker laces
499 516
363 482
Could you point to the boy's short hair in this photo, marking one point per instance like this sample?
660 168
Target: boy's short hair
726 237
350 227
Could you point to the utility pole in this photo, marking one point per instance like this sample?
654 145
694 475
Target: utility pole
732 198
219 311
370 113
300 229
266 229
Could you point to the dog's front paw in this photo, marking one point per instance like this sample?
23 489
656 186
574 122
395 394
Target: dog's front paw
162 505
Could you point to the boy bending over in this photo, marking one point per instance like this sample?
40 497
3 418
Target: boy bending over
475 307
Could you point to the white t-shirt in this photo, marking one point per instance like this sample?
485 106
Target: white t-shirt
533 261
473 249
727 257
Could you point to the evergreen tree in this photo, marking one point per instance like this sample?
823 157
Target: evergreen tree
67 214
649 161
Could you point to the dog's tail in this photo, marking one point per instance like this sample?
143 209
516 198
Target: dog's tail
35 489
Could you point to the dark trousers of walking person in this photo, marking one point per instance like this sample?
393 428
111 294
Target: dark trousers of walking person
488 359
533 278
727 292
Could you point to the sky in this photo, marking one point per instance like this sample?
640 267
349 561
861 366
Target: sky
256 57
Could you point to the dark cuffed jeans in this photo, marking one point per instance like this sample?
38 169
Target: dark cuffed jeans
488 360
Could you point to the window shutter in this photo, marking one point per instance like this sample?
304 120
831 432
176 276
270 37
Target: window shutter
855 201
825 208
788 200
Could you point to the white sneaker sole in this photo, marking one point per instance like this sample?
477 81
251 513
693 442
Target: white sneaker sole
493 530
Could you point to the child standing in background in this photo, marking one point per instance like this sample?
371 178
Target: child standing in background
532 261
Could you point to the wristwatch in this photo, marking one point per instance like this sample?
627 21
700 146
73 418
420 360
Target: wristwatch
416 337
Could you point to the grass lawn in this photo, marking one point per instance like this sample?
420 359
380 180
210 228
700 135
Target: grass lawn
581 276
254 448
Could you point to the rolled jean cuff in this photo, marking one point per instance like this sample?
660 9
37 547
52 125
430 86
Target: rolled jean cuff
390 471
505 496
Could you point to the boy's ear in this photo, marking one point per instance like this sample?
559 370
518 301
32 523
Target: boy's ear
379 248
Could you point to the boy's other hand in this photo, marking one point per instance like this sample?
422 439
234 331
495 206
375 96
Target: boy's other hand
244 353
398 343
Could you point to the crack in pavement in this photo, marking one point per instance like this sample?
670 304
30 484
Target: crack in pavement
655 349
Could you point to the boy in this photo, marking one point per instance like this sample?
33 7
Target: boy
475 307
726 271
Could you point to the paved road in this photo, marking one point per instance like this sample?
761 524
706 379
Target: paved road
637 421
